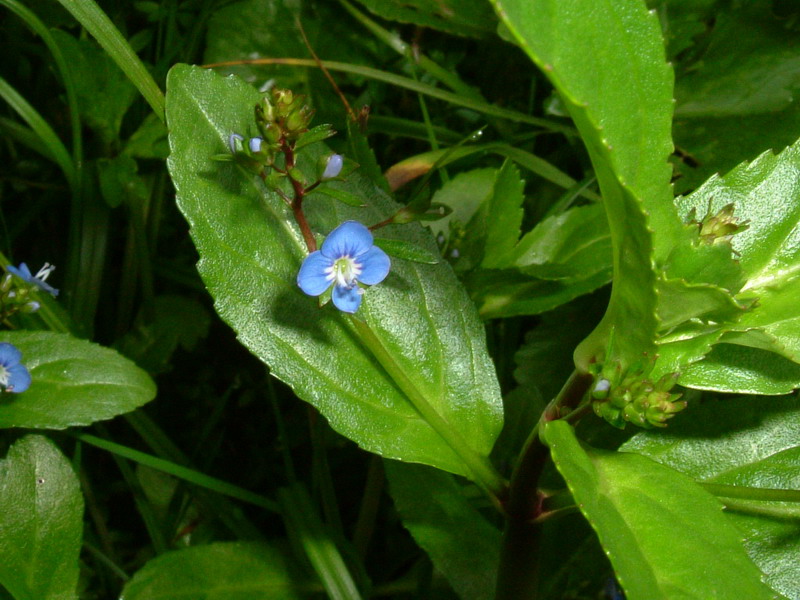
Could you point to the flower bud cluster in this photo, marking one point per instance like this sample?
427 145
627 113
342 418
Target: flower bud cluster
16 297
623 396
719 227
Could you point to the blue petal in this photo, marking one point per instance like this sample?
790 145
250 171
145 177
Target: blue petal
347 299
19 379
351 238
22 271
9 355
375 266
312 278
46 287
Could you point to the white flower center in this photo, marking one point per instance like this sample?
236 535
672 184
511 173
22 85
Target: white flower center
44 272
4 375
344 271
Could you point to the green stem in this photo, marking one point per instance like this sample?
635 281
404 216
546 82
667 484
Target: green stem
414 86
398 45
482 470
184 473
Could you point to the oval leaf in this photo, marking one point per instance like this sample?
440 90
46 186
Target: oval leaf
423 323
220 571
74 383
666 536
41 522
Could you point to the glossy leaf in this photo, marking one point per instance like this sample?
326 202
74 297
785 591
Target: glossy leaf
75 382
571 246
665 536
743 370
219 571
407 251
250 253
464 17
41 522
765 194
745 442
459 540
624 117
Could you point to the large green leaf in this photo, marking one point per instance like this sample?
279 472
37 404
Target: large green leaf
41 522
423 326
461 543
219 571
606 59
747 442
75 382
666 536
766 193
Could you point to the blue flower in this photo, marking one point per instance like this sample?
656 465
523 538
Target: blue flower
24 273
347 258
14 377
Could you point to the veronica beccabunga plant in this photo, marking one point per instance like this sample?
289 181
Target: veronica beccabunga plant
533 311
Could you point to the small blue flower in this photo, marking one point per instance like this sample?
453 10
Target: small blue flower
347 258
14 377
333 167
24 273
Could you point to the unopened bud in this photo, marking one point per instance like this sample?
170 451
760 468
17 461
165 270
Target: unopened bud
333 166
236 143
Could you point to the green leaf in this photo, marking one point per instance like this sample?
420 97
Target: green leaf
422 323
571 246
305 527
339 194
158 331
505 217
509 293
738 96
609 68
104 92
666 537
461 543
465 17
75 383
120 181
149 141
219 571
744 442
407 251
41 522
742 370
764 193
464 194
749 67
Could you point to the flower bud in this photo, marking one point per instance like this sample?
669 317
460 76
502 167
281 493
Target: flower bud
333 166
236 143
255 144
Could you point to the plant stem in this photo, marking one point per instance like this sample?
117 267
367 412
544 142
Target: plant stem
518 575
